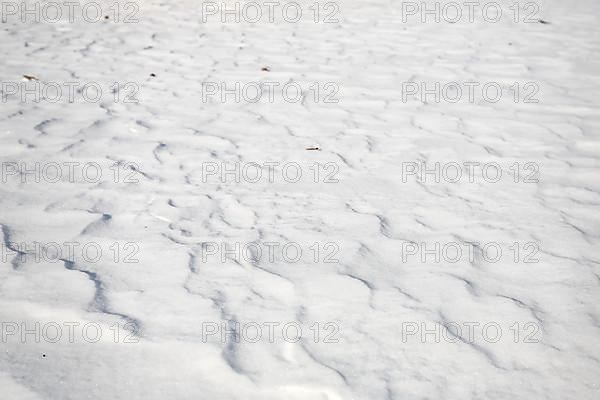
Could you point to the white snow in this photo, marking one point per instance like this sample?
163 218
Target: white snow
366 291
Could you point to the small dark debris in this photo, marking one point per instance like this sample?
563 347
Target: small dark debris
510 43
153 75
313 148
30 78
266 69
43 355
106 17
541 21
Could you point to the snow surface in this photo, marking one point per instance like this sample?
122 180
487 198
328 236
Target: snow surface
374 293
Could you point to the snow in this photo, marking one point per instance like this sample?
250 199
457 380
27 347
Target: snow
138 271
